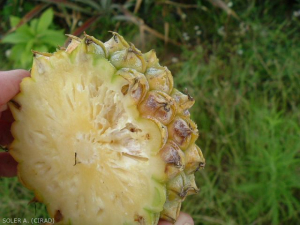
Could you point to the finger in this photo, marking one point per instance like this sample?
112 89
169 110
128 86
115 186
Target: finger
183 219
7 116
8 166
10 84
5 134
3 108
6 120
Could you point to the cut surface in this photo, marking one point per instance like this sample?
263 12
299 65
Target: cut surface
102 137
97 155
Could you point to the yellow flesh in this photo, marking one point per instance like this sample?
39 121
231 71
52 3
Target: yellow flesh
93 121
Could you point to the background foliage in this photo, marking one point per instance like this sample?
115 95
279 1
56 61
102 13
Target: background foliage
238 59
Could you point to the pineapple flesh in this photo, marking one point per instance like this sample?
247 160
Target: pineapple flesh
102 137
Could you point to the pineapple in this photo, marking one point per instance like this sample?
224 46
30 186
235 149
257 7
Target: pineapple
103 137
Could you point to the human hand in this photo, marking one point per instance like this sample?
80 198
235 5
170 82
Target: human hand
9 87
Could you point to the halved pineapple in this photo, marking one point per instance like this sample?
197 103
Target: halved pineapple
102 137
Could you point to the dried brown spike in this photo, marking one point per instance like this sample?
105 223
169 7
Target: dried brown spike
158 105
174 158
172 154
180 131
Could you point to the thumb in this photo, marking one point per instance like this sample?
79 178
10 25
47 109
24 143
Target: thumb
10 84
8 166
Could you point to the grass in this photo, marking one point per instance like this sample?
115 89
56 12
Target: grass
245 79
15 202
249 128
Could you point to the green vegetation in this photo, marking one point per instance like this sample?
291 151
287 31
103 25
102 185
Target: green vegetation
244 73
37 36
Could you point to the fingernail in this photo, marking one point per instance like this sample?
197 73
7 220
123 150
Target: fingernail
187 224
